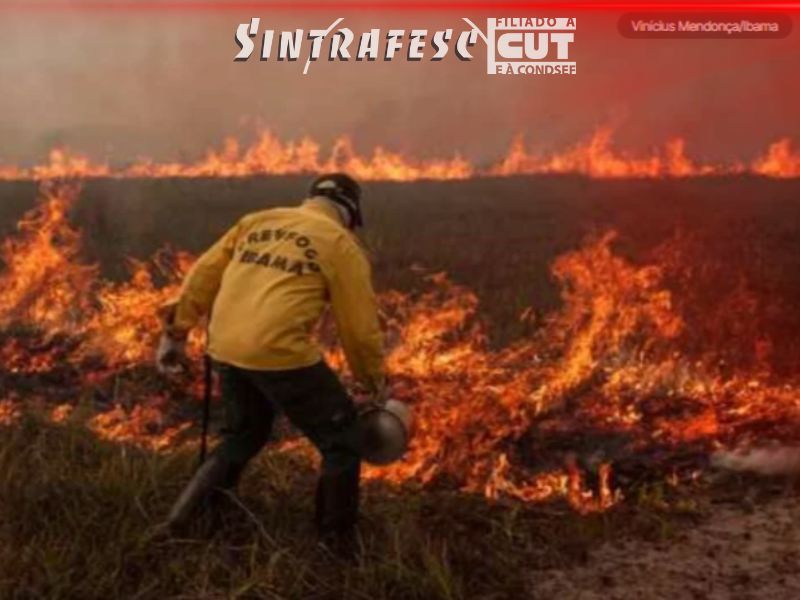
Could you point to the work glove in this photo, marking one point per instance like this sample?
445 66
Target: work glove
382 393
368 396
170 355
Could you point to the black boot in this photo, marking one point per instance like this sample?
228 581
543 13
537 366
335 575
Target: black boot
337 511
209 478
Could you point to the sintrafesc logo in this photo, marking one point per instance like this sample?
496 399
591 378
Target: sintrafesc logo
514 45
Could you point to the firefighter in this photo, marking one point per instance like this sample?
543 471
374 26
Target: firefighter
263 286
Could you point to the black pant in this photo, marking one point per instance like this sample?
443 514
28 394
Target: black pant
317 404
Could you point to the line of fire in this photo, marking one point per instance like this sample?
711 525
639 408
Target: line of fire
620 352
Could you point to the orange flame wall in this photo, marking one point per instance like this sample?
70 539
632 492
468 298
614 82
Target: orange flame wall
611 361
268 155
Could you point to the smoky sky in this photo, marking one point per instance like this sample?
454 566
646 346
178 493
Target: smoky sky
119 85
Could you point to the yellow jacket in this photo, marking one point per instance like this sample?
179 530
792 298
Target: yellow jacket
266 283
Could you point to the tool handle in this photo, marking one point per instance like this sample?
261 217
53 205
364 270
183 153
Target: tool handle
207 385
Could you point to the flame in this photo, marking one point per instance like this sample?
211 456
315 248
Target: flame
779 161
10 412
606 379
43 281
594 157
612 312
61 413
144 424
49 292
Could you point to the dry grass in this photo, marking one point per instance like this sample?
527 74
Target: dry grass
79 517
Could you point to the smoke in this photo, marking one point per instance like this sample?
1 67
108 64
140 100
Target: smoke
780 460
123 84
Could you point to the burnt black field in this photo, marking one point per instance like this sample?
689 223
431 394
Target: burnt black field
497 236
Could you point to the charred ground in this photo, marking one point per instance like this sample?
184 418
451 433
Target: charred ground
497 236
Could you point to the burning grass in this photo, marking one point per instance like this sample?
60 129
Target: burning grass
614 387
609 406
594 157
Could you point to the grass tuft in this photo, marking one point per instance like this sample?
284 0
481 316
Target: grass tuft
79 519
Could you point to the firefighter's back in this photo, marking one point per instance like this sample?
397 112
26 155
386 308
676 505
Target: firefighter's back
275 287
